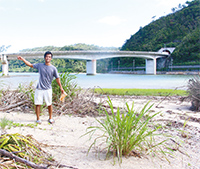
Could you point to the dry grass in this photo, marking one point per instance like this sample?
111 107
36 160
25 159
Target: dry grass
194 92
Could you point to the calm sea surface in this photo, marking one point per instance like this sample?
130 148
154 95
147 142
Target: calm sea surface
107 81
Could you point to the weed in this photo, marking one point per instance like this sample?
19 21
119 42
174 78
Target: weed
127 132
31 125
68 84
50 158
4 122
184 133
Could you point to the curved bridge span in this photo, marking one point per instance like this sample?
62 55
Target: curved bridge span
92 57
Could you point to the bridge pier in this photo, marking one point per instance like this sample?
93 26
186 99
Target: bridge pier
4 63
91 67
151 66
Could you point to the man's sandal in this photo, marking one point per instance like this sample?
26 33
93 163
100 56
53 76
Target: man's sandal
51 121
39 122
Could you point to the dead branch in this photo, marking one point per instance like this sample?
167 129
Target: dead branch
14 105
167 96
21 160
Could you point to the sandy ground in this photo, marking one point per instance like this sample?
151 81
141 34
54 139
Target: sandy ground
68 148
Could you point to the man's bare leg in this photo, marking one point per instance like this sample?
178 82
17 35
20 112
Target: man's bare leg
37 112
50 108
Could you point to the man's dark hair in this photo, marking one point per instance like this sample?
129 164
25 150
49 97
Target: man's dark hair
48 52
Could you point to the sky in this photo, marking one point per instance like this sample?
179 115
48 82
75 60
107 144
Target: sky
106 23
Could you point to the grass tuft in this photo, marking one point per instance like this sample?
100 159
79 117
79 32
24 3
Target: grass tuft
4 122
128 132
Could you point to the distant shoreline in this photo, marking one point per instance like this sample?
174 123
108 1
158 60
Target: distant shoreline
124 72
158 73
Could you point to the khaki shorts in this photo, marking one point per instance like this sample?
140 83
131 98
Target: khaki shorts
43 94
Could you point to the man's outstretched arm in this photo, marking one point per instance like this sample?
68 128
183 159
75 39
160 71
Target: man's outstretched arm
25 61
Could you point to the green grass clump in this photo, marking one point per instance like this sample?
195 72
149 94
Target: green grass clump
126 132
141 92
4 122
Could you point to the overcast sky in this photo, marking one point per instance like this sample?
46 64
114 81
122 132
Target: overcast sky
37 23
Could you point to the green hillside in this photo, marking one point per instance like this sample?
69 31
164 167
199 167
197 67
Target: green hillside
180 29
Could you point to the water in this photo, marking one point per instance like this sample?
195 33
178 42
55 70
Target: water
107 81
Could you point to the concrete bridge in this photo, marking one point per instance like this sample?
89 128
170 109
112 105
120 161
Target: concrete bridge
92 57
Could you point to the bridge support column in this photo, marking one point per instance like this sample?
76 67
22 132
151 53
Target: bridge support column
91 67
4 63
151 66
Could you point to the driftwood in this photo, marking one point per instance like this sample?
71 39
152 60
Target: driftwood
21 160
82 103
14 105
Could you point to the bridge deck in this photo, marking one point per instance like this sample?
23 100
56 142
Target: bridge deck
89 55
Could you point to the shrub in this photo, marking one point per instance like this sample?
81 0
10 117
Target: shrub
128 132
194 92
68 84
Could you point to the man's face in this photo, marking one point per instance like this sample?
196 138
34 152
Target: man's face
48 58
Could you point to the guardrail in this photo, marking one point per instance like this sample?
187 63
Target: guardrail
184 67
128 68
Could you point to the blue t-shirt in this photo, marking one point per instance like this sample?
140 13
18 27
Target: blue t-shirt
47 73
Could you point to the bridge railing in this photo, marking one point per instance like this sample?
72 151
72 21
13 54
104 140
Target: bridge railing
128 68
185 67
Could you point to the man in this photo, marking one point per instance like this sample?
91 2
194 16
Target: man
44 90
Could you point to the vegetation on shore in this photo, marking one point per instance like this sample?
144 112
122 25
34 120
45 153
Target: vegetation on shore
141 92
194 92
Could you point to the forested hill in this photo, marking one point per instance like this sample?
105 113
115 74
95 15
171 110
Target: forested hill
78 46
180 29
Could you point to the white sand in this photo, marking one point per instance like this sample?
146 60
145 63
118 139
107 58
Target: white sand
70 149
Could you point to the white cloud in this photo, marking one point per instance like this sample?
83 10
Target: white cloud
111 20
41 0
